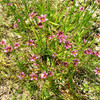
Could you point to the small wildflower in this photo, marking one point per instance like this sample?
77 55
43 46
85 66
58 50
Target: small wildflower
30 42
15 25
42 18
54 55
98 36
50 73
98 1
51 37
32 15
68 45
89 51
97 71
21 75
93 53
62 38
16 45
44 75
9 4
60 33
76 62
74 53
33 58
84 41
33 76
82 8
65 64
97 53
8 49
18 20
3 42
40 24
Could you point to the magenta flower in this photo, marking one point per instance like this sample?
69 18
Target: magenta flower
51 37
44 75
82 8
93 53
97 71
98 36
33 76
50 73
84 41
97 53
74 53
18 20
8 49
42 18
67 45
15 25
9 4
32 15
16 45
21 75
30 42
76 62
89 51
3 42
40 24
60 33
62 38
54 55
65 64
33 58
98 1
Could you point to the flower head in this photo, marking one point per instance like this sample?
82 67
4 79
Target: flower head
98 36
32 15
54 55
62 38
60 33
3 42
84 41
8 49
16 45
68 45
65 64
50 73
21 75
9 4
42 18
76 62
44 75
98 1
15 25
40 24
33 76
30 42
97 71
97 53
33 58
82 8
18 20
74 53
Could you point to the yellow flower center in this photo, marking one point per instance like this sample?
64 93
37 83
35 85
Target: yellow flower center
98 71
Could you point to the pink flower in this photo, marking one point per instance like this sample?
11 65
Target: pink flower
9 4
8 49
40 24
15 25
76 62
30 42
3 42
65 64
36 0
97 71
67 45
84 41
98 1
33 76
16 45
42 18
62 38
21 75
89 51
74 53
54 55
44 75
98 36
33 58
18 20
97 53
93 53
52 37
82 8
60 33
32 15
50 73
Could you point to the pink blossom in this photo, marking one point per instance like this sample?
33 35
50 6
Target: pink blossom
32 15
44 75
52 37
62 38
30 42
65 64
40 25
74 53
42 18
18 20
16 45
21 75
3 42
89 51
8 49
97 53
82 8
54 55
98 36
60 33
76 62
33 58
67 45
15 25
50 73
9 4
84 41
93 53
97 71
33 76
98 1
